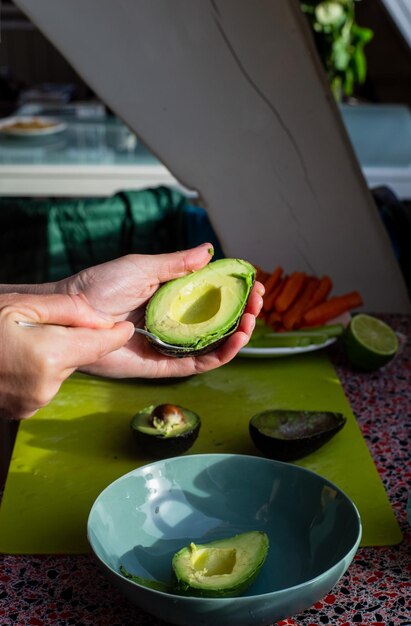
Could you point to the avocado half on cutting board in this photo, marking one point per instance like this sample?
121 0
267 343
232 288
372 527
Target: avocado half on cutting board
165 429
197 312
286 435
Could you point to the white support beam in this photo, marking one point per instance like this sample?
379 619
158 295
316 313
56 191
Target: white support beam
231 97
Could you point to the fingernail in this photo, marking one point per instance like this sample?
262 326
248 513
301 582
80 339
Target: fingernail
210 247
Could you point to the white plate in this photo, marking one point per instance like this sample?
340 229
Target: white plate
265 353
51 127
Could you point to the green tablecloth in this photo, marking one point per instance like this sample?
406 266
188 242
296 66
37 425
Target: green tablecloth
45 240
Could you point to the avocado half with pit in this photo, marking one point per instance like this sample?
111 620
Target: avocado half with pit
222 568
200 310
165 430
290 435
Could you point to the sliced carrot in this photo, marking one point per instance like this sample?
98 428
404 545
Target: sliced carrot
328 310
293 316
290 292
273 279
273 319
270 298
320 294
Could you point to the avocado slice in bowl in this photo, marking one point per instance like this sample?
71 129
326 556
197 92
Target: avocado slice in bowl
221 568
165 429
200 310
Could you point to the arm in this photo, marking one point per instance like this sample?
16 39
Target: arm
122 288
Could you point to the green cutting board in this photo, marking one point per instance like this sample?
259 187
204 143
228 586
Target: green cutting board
72 449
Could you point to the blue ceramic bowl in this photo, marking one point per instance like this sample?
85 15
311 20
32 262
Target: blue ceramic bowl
144 517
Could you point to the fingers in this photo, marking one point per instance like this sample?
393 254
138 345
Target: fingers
93 344
64 349
164 267
171 366
230 348
45 355
58 309
255 299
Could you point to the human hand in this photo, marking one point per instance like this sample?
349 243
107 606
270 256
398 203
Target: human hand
34 361
122 288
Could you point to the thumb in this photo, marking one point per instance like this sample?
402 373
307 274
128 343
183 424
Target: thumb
59 309
163 267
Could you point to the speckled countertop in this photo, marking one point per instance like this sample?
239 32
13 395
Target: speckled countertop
376 590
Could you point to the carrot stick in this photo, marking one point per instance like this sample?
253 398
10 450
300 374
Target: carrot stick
271 283
321 293
273 319
269 299
294 314
290 292
331 308
273 279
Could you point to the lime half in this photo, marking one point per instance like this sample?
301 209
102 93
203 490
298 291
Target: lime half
369 342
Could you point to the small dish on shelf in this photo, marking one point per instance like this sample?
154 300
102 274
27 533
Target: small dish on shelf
31 126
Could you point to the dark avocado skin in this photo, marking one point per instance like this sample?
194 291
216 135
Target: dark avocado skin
187 590
286 450
180 354
163 447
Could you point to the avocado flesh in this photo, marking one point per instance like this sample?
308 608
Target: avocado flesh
165 440
201 308
222 568
290 435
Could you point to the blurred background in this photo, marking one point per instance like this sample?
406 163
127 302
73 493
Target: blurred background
31 69
72 188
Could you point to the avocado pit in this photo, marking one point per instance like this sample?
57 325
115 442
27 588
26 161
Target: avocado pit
165 417
165 429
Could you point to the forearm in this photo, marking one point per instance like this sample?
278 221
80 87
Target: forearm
42 288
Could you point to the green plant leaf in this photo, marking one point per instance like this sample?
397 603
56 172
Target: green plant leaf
340 42
360 64
341 54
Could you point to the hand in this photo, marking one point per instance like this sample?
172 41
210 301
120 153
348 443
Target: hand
34 361
122 288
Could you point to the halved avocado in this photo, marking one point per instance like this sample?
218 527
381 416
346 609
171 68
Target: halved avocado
222 568
166 429
200 310
290 435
